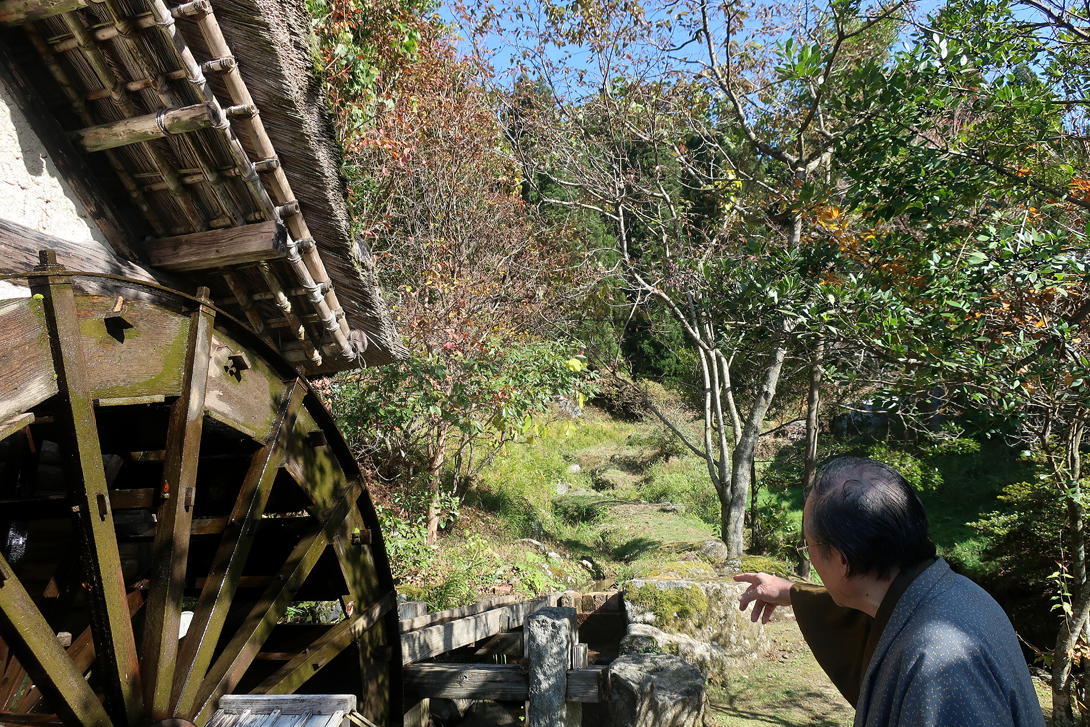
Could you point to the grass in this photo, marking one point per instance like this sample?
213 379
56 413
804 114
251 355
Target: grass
782 687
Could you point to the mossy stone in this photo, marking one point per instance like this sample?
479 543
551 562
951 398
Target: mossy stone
683 570
764 564
671 606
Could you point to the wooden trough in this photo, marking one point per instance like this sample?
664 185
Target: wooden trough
157 457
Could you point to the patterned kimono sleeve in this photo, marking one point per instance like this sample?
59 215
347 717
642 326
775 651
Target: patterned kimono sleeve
837 636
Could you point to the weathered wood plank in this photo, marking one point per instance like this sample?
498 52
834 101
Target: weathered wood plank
88 489
287 703
408 610
145 359
15 424
19 248
585 685
159 648
26 364
453 614
216 248
494 682
49 507
434 640
144 128
245 400
417 714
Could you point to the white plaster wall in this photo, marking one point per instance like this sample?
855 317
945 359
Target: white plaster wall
32 193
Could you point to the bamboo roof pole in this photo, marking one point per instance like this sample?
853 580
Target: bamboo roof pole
79 106
121 98
297 226
148 70
164 24
101 34
294 324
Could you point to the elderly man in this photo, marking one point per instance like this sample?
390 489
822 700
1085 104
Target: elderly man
904 639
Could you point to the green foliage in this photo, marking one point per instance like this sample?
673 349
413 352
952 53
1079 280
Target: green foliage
919 474
1025 535
391 414
362 47
773 531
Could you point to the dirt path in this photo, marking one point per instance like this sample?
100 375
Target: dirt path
783 687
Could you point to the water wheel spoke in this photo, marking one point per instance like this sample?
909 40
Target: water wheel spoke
355 559
81 458
159 649
219 589
248 640
82 654
292 675
32 641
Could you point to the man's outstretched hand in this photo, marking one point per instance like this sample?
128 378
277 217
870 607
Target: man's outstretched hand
765 592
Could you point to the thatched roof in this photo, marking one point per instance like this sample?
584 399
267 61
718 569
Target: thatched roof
204 126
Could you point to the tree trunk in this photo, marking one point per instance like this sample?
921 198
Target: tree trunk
1072 626
1062 713
809 467
436 458
813 407
733 513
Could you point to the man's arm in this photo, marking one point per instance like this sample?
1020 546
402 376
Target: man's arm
835 634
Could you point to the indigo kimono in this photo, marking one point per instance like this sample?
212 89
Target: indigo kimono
940 651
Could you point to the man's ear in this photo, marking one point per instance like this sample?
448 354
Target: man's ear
837 557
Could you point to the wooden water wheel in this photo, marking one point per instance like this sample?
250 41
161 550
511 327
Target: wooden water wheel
156 459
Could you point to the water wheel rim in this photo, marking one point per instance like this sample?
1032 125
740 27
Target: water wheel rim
151 677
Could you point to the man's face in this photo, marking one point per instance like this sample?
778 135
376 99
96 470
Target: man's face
828 563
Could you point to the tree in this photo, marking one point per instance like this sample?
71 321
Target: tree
710 153
975 280
476 284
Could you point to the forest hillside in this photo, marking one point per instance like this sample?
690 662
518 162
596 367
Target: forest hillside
656 262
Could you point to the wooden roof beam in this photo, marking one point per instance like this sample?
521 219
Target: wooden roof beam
217 248
17 12
144 128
